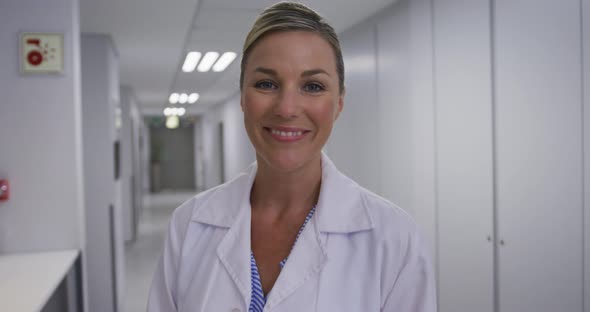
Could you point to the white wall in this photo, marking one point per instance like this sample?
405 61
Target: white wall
40 135
464 164
40 147
211 151
104 233
127 170
131 165
238 150
479 119
360 103
199 156
384 136
539 169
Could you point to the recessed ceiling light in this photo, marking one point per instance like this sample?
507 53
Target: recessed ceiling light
224 61
193 98
173 99
183 98
207 61
180 111
167 111
191 61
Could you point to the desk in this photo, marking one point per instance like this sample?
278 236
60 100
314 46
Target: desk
28 280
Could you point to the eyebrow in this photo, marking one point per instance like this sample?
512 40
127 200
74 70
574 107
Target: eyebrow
306 73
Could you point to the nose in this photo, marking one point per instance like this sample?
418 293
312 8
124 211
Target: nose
288 104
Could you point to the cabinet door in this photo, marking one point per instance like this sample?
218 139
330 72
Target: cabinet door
539 155
464 163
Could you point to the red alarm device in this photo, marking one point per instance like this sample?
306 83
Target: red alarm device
4 190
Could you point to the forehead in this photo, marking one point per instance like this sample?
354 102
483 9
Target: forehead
292 50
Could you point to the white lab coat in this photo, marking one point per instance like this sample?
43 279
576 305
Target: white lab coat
358 253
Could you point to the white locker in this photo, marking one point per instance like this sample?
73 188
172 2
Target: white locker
508 78
539 166
464 155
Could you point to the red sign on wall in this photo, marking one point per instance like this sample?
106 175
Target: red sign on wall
41 52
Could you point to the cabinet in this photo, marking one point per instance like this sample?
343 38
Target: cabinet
510 155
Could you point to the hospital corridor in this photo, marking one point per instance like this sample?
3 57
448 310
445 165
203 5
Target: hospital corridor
381 155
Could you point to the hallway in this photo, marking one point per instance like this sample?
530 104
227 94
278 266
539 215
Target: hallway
141 256
471 116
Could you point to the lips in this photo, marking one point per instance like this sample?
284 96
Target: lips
286 134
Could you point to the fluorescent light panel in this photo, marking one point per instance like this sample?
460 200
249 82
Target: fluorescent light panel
174 111
173 99
183 98
191 61
207 61
193 98
224 61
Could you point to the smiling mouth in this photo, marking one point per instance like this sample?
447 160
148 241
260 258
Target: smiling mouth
287 135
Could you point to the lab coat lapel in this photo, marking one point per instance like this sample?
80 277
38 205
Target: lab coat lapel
234 253
304 263
234 212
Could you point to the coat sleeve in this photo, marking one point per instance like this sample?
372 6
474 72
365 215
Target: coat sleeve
163 292
414 289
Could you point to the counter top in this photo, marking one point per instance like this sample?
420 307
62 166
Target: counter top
28 280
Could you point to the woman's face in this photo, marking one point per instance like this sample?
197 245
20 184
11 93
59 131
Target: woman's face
290 98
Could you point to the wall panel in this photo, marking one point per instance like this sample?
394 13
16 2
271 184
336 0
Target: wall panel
354 143
539 155
40 134
464 155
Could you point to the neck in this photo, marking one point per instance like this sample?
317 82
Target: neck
282 193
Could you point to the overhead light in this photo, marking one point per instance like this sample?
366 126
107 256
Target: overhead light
192 99
183 98
174 111
172 122
191 61
207 61
173 99
224 61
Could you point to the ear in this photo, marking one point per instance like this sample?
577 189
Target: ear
242 102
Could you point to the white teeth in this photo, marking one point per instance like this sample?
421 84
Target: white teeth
286 134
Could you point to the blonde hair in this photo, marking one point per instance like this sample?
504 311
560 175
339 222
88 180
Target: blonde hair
292 16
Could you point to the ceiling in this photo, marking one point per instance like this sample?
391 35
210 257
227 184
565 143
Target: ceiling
152 38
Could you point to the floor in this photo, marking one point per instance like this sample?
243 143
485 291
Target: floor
141 256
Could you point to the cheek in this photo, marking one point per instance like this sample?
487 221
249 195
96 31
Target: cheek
326 113
252 106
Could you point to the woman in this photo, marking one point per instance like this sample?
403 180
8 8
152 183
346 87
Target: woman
293 233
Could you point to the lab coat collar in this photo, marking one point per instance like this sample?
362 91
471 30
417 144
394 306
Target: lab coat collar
340 207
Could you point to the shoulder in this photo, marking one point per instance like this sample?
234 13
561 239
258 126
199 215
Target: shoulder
394 229
387 218
214 206
402 248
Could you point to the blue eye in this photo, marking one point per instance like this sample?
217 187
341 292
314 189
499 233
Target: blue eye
313 87
265 84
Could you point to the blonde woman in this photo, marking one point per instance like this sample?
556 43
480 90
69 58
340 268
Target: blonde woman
292 234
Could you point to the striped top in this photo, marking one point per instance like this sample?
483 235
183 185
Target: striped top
258 300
